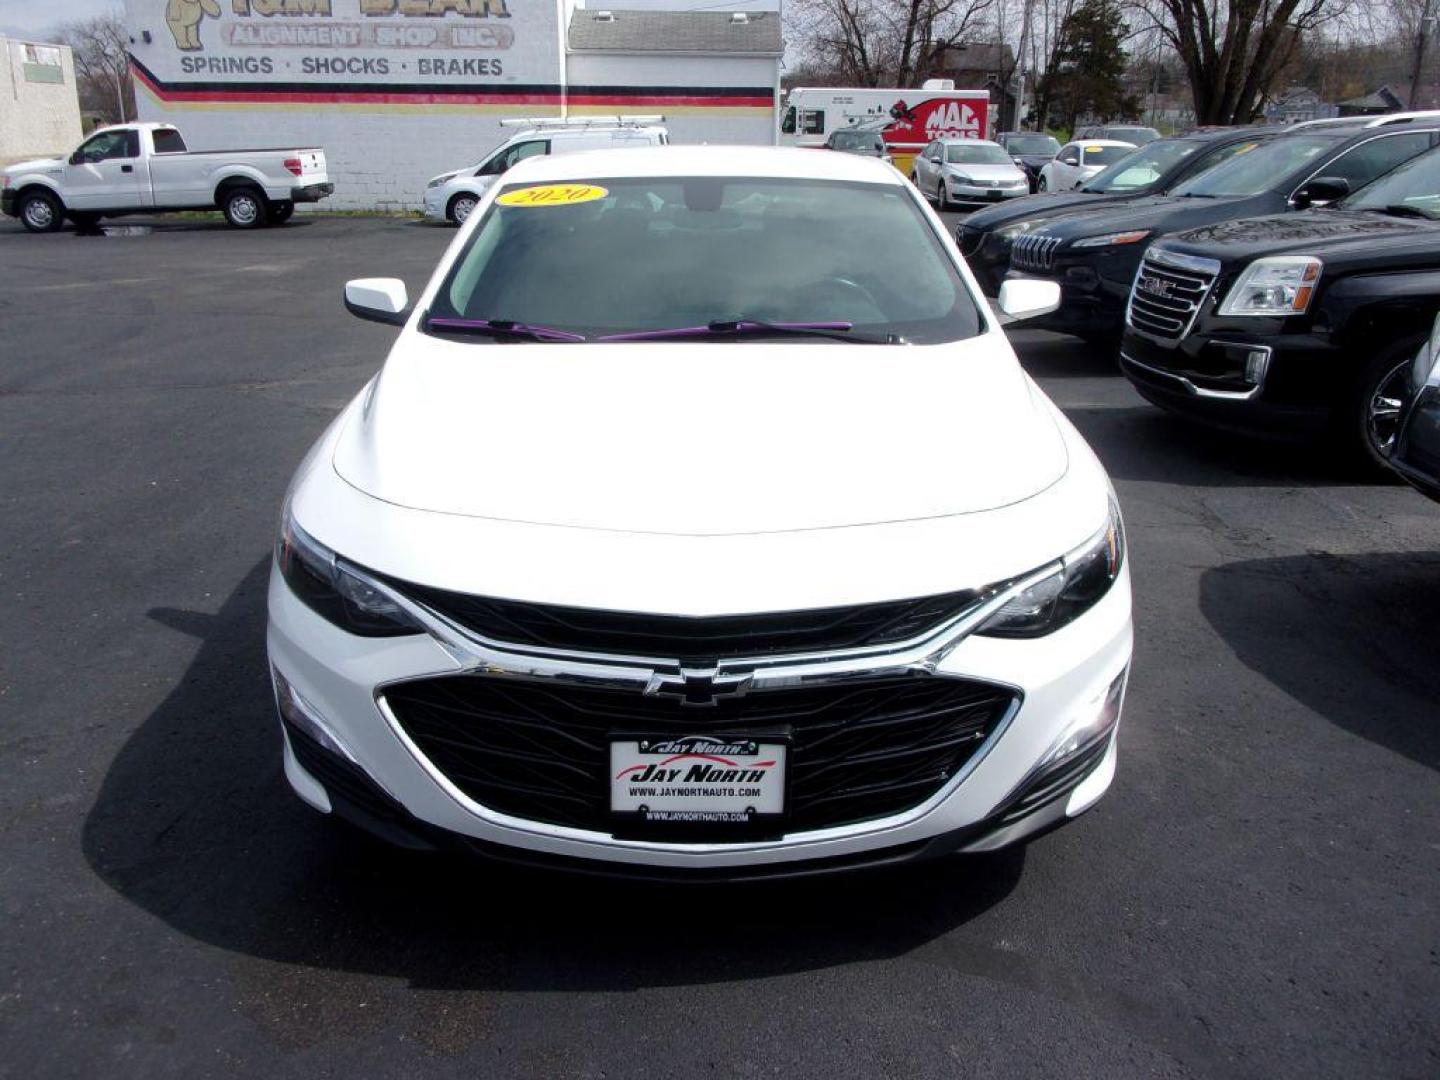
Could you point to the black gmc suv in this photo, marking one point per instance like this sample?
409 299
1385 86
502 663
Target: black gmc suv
1301 325
1094 257
985 237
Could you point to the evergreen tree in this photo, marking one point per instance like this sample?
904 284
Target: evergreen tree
1087 78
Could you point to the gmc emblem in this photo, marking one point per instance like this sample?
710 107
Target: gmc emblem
1155 286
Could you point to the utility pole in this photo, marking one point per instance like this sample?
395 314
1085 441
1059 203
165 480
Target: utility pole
1425 20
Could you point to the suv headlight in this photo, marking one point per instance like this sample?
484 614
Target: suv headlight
333 590
1112 239
1279 285
1078 582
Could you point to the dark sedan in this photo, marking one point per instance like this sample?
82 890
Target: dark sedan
1302 325
985 238
1030 150
1095 256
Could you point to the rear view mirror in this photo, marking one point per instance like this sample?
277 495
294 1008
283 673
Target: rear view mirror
382 300
1322 190
1022 299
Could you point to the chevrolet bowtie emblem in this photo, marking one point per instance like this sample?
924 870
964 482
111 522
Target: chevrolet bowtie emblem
698 686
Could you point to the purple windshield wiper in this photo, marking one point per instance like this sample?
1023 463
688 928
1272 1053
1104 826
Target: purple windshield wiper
503 328
840 331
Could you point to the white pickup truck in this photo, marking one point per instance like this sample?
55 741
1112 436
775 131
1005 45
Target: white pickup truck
146 168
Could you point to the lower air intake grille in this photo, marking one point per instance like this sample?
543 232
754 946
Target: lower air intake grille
540 751
691 640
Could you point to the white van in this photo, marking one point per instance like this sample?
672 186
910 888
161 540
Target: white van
451 196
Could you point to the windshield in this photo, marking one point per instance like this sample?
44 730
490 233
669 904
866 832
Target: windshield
1032 144
855 140
976 154
1143 167
1257 169
613 256
1105 155
1416 185
1140 136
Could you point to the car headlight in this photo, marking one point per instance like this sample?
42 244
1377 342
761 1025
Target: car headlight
1426 369
1113 239
1077 583
1019 161
960 178
1279 285
322 581
441 180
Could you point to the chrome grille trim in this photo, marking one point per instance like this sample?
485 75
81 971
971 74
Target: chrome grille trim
1179 286
1034 251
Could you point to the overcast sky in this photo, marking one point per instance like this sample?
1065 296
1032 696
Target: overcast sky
32 18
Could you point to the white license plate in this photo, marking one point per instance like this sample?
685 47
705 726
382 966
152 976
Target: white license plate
697 778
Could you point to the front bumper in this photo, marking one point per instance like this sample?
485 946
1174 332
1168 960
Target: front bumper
983 193
1291 390
434 206
999 797
1094 289
311 192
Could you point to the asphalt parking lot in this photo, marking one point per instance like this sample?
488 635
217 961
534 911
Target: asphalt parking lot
1256 897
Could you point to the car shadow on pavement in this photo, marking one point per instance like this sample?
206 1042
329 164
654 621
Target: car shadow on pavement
1351 637
1141 442
1058 356
195 824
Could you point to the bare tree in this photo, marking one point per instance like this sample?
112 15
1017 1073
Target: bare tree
100 46
1234 51
886 42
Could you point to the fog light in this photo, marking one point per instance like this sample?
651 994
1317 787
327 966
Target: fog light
1257 363
1095 722
306 718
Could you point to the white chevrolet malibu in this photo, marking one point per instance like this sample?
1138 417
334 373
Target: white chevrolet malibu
701 522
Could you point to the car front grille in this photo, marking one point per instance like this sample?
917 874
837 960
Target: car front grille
1034 251
859 750
1168 293
690 640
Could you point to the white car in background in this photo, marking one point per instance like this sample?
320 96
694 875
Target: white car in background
1078 161
969 171
642 552
452 196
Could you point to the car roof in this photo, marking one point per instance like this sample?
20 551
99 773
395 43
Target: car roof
723 161
967 142
1087 144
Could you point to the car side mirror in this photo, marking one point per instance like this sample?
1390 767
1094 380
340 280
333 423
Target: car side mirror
1322 190
1069 161
382 300
1025 299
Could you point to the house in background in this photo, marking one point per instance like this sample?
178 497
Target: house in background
982 67
1295 105
39 108
1385 100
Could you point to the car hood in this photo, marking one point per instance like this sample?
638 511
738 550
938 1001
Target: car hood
1312 232
1164 213
1036 208
33 165
1008 171
701 438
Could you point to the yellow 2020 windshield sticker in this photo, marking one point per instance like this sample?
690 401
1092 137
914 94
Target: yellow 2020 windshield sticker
553 195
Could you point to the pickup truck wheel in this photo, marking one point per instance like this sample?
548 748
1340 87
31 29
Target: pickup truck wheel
1371 417
461 207
280 212
40 212
244 207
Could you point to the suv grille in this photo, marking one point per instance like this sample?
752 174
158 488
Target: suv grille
1034 251
858 751
691 640
1166 298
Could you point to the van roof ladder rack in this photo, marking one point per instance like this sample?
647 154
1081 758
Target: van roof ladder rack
580 121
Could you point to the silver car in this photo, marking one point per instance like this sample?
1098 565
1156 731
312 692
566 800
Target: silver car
967 171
